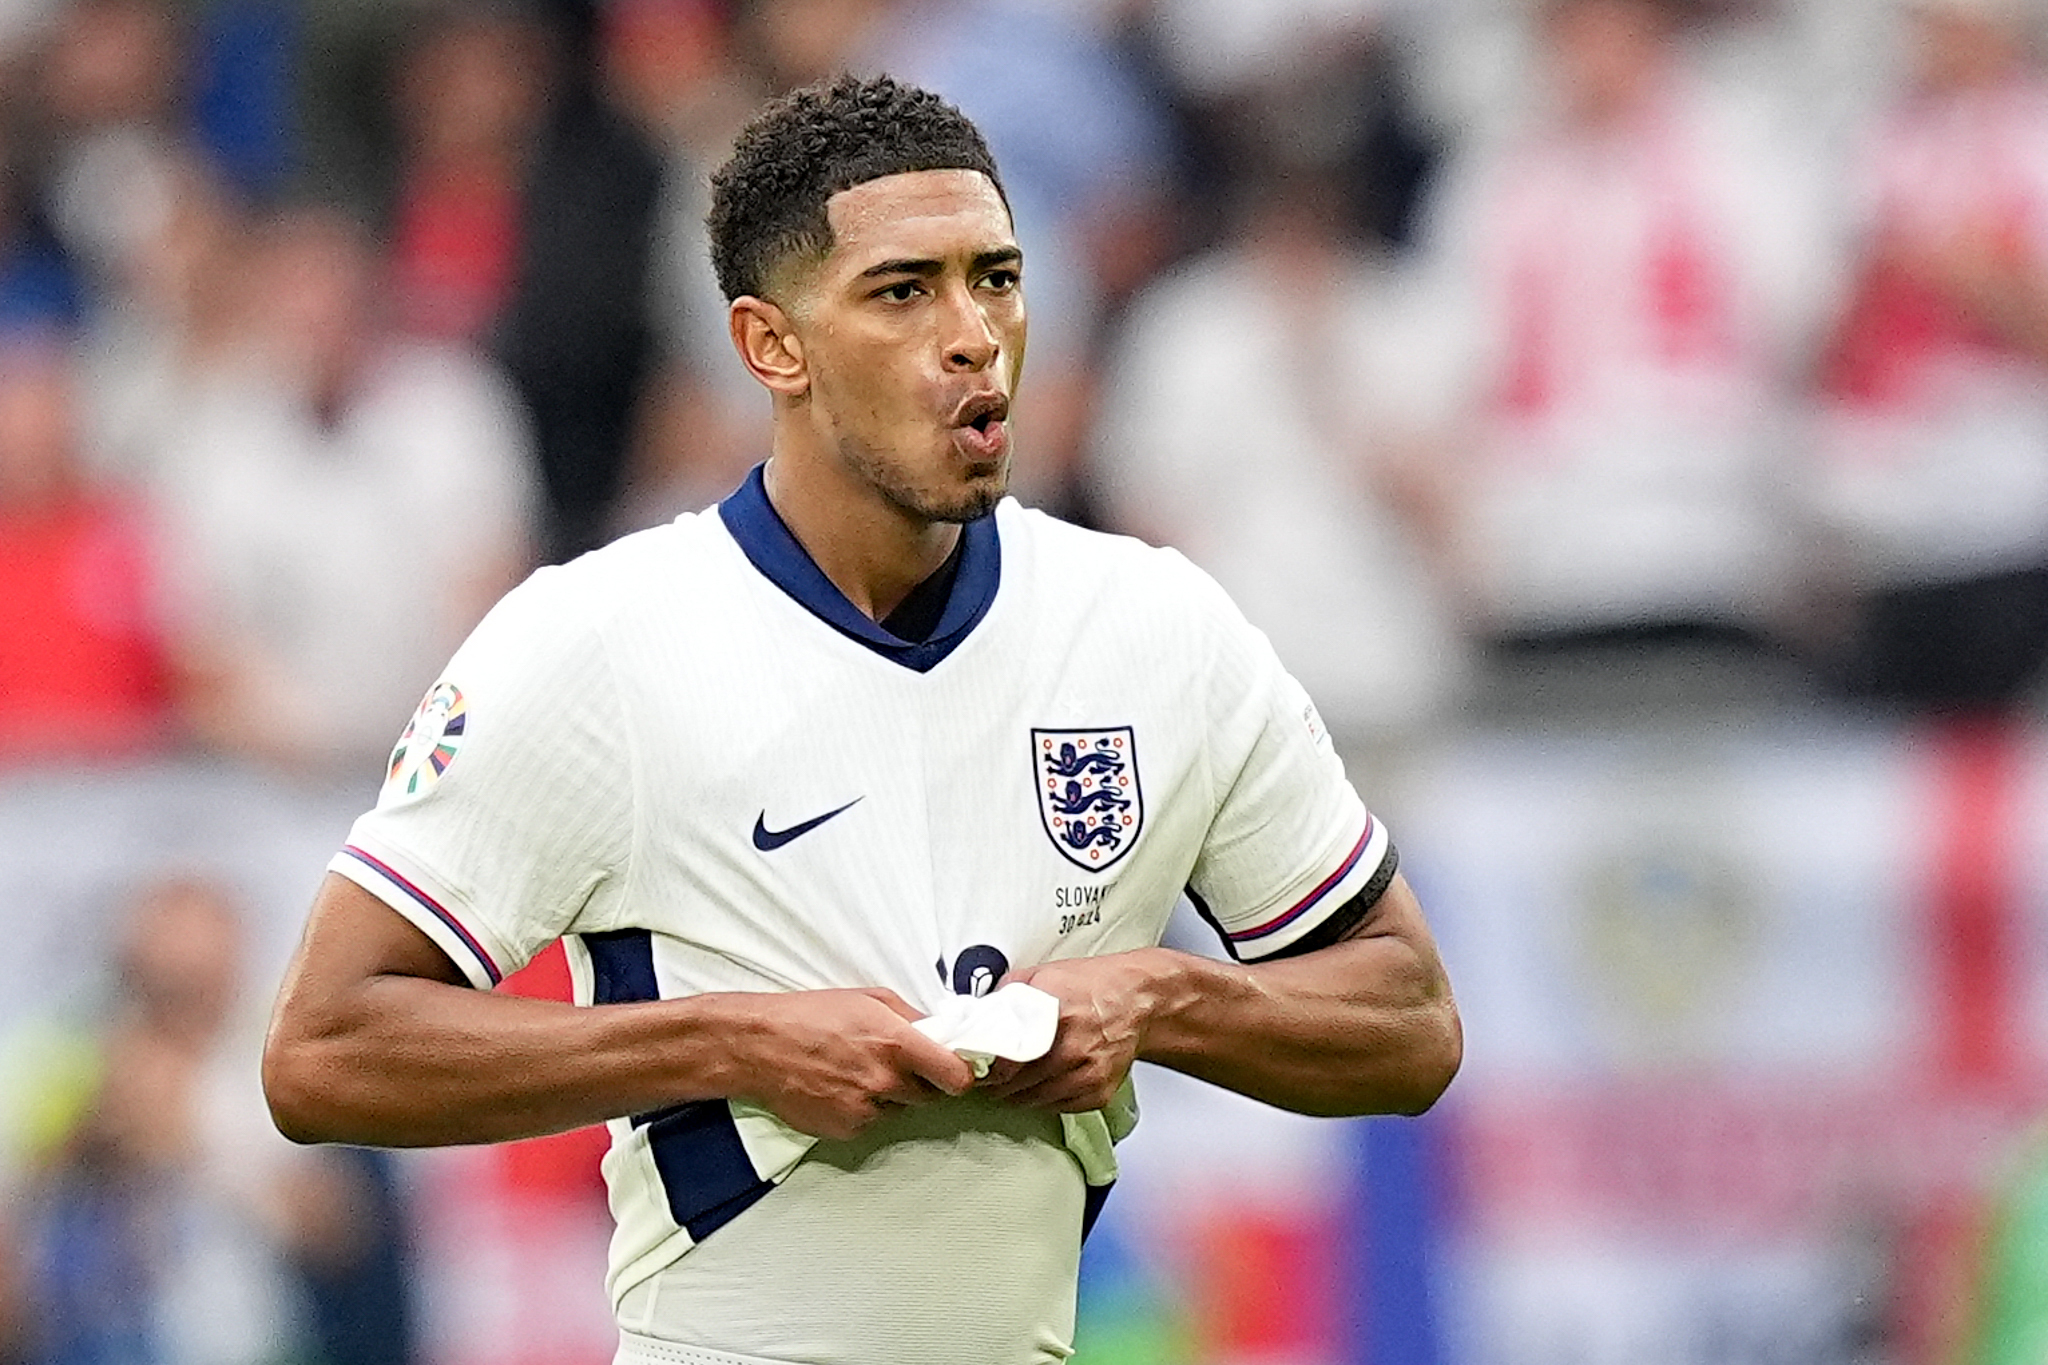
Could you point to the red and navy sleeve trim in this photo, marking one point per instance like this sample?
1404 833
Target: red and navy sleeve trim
427 902
1312 899
1341 922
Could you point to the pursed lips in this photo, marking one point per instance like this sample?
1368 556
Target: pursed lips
982 410
978 425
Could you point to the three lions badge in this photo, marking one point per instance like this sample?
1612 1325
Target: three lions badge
1088 793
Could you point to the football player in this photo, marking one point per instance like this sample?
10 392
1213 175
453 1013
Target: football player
794 774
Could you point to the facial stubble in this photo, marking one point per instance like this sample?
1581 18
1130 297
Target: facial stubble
874 469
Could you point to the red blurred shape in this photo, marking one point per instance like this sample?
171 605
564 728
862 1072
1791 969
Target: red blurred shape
1264 1285
567 1163
1975 912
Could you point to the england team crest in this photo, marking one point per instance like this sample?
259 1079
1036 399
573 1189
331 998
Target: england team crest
1088 793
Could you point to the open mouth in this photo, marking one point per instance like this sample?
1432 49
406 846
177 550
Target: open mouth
982 411
978 430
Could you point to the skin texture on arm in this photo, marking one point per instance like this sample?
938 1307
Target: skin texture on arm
376 1040
1366 1025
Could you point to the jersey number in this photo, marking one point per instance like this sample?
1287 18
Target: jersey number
975 971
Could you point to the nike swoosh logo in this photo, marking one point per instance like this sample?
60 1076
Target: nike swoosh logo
768 840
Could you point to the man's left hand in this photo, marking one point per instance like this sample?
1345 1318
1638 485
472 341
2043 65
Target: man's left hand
1105 1003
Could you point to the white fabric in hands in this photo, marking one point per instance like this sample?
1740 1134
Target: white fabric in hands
1015 1022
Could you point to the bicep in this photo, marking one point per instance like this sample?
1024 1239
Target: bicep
1387 940
1397 915
351 937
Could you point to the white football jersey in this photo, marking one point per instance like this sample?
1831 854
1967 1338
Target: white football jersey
691 758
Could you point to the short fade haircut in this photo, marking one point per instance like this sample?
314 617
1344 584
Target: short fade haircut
768 199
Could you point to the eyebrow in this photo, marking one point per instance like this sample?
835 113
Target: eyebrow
925 267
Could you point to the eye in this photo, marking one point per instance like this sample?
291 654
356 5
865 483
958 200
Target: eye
1002 281
903 291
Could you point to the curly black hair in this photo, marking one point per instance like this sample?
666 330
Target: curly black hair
768 199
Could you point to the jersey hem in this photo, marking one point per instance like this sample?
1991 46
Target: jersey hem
635 1349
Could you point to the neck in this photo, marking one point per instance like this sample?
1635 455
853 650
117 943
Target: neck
873 551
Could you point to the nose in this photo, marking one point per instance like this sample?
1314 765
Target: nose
970 340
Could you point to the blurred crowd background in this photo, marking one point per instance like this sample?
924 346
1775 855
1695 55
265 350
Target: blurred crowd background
1628 417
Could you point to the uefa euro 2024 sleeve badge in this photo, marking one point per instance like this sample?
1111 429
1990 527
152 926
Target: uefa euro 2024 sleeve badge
428 745
1088 793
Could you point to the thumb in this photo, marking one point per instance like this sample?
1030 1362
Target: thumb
936 1063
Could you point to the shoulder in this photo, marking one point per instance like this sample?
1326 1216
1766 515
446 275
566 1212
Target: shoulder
1063 543
578 603
1122 572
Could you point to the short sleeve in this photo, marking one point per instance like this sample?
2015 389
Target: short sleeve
507 808
1291 844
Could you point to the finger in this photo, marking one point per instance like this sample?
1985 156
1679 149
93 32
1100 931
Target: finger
1000 1073
941 1066
870 1112
1068 1094
915 1089
1028 1074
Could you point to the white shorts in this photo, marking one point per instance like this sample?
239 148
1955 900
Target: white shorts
638 1350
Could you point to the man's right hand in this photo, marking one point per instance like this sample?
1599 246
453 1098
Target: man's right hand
831 1063
379 1040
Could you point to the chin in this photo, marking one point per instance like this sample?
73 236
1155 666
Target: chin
971 503
965 494
948 491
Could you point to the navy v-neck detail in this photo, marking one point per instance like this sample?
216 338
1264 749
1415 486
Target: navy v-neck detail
916 618
770 547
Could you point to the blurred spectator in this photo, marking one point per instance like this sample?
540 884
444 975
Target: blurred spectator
139 203
127 91
241 90
1329 70
109 87
81 664
1932 477
1628 283
173 1226
1217 48
167 324
340 508
673 65
1247 422
523 219
471 95
40 283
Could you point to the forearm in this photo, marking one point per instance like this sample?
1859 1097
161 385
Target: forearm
377 1040
1365 1026
403 1061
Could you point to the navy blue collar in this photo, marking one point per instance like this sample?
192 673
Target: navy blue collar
754 523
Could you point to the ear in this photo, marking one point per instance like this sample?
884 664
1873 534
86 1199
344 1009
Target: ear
765 336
